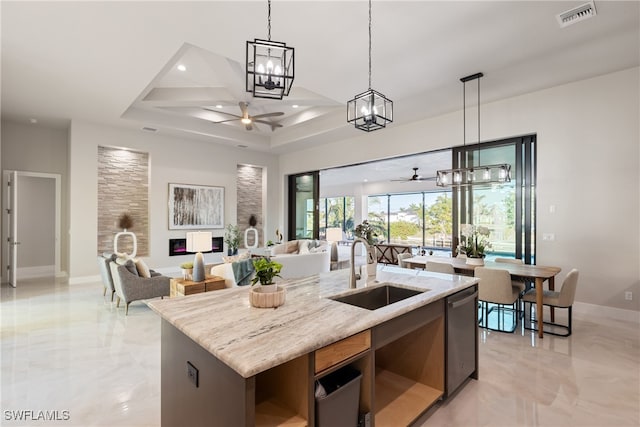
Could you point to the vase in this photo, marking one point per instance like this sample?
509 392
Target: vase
261 298
134 242
475 261
186 273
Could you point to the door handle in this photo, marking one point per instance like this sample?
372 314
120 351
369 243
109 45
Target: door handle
458 303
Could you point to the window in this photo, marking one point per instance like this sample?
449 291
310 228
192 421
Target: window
418 219
378 215
507 210
337 212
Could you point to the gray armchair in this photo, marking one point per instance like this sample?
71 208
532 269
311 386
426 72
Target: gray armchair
105 273
129 287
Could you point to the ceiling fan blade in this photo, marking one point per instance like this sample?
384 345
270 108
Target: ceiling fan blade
230 120
272 124
274 114
222 112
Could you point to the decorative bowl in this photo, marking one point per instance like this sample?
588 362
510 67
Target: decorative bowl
267 298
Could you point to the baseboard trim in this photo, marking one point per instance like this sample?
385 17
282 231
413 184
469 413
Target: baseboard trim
610 312
35 272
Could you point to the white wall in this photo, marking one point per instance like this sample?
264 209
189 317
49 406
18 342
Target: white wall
172 160
588 170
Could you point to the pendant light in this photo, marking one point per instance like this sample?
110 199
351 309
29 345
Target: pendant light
370 110
482 174
270 66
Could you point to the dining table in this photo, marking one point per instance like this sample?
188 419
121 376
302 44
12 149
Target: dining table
538 273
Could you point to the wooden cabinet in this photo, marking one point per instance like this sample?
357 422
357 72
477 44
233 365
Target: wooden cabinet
409 365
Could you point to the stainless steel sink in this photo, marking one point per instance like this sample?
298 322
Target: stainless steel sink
375 298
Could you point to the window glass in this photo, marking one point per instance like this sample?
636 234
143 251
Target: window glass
405 219
378 215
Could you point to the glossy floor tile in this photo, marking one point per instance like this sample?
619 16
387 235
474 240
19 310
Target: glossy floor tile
67 350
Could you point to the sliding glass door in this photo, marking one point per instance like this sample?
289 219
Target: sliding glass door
304 217
507 210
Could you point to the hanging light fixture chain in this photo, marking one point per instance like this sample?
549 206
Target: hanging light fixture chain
464 114
269 20
478 110
369 44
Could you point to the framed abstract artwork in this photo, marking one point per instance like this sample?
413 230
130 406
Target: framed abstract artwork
195 206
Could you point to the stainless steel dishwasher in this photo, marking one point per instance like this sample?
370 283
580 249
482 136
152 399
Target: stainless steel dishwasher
461 338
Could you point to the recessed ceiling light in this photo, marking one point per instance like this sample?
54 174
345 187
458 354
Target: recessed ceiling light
181 67
295 106
33 121
366 180
219 106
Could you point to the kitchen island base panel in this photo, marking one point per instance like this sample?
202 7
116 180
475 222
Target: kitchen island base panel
182 403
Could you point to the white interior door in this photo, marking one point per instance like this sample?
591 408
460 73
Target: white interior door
12 240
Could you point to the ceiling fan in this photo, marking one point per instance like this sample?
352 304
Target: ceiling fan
416 177
248 120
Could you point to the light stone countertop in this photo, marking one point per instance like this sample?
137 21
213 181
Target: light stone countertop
251 340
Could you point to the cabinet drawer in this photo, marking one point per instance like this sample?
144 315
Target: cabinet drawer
341 350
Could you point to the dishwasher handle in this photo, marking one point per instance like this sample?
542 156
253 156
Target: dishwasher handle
463 301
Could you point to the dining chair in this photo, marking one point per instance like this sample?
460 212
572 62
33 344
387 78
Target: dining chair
562 299
401 257
495 288
439 267
521 284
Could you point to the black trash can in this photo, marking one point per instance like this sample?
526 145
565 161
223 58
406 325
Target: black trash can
338 397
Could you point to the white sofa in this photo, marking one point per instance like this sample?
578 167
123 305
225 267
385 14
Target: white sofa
311 261
301 258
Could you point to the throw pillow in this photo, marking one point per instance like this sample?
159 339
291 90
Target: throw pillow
303 246
129 264
292 247
143 270
236 258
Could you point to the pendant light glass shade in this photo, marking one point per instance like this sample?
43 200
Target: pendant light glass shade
370 110
477 175
270 66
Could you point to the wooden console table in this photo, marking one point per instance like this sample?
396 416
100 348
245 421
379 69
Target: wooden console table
182 287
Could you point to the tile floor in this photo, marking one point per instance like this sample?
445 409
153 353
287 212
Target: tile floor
66 349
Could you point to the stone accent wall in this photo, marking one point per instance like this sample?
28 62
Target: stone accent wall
249 185
123 186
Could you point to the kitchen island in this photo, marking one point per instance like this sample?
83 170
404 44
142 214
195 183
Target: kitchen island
227 363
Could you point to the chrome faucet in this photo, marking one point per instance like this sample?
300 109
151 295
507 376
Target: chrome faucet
354 276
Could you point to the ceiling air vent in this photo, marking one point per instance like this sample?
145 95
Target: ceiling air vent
577 14
149 129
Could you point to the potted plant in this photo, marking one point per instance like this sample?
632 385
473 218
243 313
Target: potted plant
266 270
268 294
232 239
474 242
367 232
187 270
